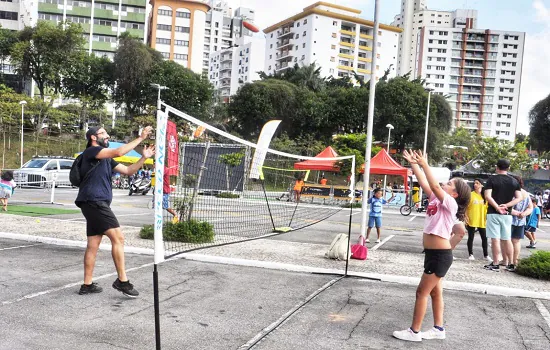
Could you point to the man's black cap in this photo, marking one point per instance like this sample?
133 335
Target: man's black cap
91 131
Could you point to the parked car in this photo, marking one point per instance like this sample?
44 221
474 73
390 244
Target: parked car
40 171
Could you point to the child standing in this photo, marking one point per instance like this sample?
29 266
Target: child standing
532 225
445 203
298 189
7 186
375 215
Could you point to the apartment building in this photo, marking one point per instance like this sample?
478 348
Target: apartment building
335 38
233 67
480 70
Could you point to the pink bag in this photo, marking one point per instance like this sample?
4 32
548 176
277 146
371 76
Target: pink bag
359 251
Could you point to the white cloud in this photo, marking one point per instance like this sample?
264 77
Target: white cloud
535 76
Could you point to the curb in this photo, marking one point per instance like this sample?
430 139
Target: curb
411 281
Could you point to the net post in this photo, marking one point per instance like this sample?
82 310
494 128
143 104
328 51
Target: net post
352 191
268 207
162 119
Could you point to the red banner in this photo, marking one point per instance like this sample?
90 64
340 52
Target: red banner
172 149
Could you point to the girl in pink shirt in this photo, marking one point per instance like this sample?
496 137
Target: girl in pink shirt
447 203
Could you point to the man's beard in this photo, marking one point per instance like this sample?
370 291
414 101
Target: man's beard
103 142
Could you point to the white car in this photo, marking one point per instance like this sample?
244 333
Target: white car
42 171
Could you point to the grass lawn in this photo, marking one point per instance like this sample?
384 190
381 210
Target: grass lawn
30 210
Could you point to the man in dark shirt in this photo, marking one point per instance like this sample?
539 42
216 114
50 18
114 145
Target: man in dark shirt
94 199
502 192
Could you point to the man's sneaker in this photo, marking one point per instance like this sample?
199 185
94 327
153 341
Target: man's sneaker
407 335
367 240
377 241
511 268
489 259
433 333
126 288
471 257
90 288
532 245
492 267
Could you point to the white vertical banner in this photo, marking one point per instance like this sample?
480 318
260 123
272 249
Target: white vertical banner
263 144
160 160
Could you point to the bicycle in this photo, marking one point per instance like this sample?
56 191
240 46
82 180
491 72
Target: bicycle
406 209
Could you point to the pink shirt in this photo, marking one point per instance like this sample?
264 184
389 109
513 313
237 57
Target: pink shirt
440 216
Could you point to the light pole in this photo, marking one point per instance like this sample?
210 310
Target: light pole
390 128
426 131
22 103
159 88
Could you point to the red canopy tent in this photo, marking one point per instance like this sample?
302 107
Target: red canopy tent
324 165
383 164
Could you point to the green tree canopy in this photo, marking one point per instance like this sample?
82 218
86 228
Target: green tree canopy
539 122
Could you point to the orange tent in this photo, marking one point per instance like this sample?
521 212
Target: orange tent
324 165
383 164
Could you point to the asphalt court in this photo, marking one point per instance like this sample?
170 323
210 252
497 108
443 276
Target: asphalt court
214 306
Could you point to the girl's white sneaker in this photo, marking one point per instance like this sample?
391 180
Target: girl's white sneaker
408 335
433 333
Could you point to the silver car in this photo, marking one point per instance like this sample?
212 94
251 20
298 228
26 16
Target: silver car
42 171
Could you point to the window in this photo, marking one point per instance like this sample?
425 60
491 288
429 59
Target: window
179 56
297 24
271 46
303 57
267 68
8 15
332 59
182 43
182 29
182 14
305 21
334 23
304 33
163 41
304 45
165 12
334 35
164 27
333 47
165 54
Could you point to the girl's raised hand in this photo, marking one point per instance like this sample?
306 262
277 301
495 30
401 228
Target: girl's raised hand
409 156
421 159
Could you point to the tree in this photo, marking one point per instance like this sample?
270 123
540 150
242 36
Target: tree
539 122
8 38
89 79
304 76
353 144
491 149
44 53
231 160
187 91
134 63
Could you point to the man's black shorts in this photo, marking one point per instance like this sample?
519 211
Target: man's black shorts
437 261
99 217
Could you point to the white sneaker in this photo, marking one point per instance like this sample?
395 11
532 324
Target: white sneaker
377 241
471 257
407 335
367 240
489 259
433 333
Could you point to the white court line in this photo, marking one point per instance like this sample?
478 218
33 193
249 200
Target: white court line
381 243
70 285
543 311
413 217
21 246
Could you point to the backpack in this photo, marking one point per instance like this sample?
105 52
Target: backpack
338 248
75 177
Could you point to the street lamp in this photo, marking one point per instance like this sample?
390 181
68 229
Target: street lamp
22 103
390 128
159 88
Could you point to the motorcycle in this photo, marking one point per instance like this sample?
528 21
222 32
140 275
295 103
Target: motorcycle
140 185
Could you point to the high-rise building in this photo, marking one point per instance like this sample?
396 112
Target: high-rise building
335 38
233 67
480 71
178 31
103 21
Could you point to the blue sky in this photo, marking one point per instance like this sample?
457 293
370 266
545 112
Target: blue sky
530 16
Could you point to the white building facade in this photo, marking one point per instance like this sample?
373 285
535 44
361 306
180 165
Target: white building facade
480 71
233 67
333 37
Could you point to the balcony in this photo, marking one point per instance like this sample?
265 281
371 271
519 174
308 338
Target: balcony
474 56
284 43
347 43
475 37
226 82
225 67
365 48
472 81
343 55
285 33
475 47
364 59
226 58
283 66
470 63
342 67
284 55
347 32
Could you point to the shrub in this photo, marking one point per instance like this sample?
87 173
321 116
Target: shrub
227 195
352 205
192 231
536 266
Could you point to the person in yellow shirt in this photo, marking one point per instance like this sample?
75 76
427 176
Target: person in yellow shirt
476 219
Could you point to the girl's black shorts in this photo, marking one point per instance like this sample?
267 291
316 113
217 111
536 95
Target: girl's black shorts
438 261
